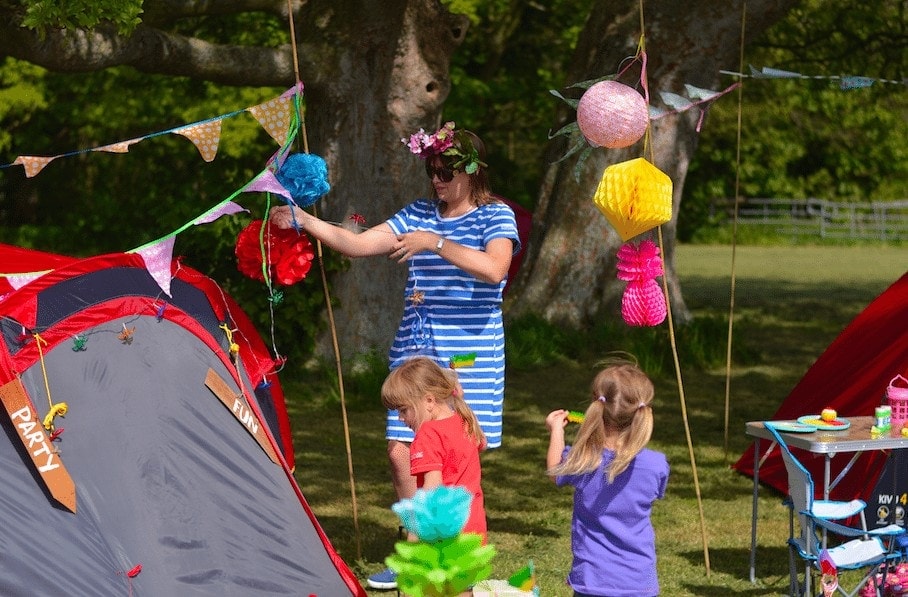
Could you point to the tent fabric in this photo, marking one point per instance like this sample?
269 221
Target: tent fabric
174 496
524 219
850 376
18 260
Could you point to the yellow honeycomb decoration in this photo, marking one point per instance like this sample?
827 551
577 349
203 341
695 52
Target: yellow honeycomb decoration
635 196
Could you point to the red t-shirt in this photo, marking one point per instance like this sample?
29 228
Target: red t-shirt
444 445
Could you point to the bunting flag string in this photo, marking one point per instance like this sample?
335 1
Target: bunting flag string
158 254
274 116
678 103
846 82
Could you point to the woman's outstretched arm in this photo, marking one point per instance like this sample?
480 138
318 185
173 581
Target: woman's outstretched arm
378 240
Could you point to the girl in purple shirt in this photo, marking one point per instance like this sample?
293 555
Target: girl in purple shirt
616 480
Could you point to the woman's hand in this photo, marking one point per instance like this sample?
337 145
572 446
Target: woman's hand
283 216
409 244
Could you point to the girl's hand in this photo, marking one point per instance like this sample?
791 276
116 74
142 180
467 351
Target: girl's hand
556 420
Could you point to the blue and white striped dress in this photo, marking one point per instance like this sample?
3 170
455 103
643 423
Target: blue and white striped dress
448 313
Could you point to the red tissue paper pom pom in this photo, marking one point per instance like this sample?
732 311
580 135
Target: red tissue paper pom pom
289 253
643 302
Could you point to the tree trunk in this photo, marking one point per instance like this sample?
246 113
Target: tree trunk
386 85
569 273
374 71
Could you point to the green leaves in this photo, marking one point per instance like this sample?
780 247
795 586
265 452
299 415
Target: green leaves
82 14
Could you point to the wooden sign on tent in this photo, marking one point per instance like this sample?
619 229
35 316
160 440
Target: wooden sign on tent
37 444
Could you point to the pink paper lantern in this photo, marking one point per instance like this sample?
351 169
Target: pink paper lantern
613 115
643 302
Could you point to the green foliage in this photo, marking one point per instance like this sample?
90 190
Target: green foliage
807 138
533 342
21 94
513 53
759 235
362 381
800 138
82 14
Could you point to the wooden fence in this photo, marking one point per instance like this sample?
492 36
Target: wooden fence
875 220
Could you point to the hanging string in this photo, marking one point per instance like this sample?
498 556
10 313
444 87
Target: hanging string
734 236
672 339
234 347
52 409
332 324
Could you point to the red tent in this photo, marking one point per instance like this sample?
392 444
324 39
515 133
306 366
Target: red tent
524 225
851 376
16 260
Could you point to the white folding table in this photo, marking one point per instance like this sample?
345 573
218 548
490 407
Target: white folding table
854 440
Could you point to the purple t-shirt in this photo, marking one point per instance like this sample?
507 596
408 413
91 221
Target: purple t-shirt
612 538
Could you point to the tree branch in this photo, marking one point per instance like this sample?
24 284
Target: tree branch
147 50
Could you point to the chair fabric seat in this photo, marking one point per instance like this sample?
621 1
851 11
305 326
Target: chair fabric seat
836 510
890 529
857 553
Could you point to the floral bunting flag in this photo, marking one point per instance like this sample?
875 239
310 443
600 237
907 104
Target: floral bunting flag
33 164
274 116
224 209
17 281
157 257
205 136
267 182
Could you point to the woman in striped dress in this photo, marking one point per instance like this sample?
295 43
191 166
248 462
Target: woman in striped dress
458 246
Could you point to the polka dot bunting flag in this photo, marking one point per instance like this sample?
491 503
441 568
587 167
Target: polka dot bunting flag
205 136
274 116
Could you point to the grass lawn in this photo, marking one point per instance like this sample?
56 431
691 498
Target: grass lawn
790 303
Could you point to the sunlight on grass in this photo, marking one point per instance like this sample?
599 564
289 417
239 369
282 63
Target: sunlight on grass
792 302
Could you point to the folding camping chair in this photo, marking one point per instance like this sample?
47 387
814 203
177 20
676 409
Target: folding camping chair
865 550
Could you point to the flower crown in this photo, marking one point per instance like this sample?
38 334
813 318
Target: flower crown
447 141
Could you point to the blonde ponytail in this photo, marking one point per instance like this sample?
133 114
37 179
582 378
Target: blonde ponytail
620 413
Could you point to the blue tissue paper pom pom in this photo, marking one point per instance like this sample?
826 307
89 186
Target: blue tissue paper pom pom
435 514
305 176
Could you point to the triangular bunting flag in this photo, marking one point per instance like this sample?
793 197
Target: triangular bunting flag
157 259
768 72
224 209
267 182
701 94
274 116
33 164
852 82
205 136
17 281
675 101
121 147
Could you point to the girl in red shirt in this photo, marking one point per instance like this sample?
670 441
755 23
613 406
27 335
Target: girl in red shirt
445 449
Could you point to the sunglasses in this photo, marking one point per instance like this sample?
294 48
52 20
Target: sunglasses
443 174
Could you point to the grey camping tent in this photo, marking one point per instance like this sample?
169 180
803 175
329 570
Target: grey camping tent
165 467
